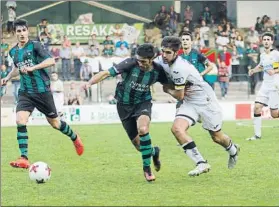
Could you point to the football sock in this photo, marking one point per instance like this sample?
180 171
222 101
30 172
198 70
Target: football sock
66 129
258 125
192 151
22 139
146 149
231 148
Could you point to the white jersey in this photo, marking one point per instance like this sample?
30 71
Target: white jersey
182 73
270 61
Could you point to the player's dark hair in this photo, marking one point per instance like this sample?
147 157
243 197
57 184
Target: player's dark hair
267 34
171 42
20 22
146 50
188 34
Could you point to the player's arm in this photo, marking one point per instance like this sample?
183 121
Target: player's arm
208 65
177 94
257 69
14 72
99 77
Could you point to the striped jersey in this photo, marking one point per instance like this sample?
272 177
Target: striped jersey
31 54
135 85
197 59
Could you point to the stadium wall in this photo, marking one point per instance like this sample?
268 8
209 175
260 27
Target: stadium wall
107 114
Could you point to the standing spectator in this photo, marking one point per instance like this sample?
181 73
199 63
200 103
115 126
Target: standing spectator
253 38
173 19
223 76
222 41
109 42
77 53
253 55
204 33
93 41
161 19
225 56
259 26
236 57
121 51
276 27
11 4
188 14
55 53
65 55
117 32
57 89
66 42
239 43
86 74
122 41
11 19
198 42
43 24
206 15
45 38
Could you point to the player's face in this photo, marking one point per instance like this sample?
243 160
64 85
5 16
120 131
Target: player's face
144 63
168 55
267 42
186 41
21 34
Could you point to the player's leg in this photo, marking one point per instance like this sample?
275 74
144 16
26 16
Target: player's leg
45 104
23 110
261 101
187 116
274 104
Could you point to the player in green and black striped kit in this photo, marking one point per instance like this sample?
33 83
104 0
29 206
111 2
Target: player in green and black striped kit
30 61
134 100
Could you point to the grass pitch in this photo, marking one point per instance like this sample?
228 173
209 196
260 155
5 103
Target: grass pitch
110 171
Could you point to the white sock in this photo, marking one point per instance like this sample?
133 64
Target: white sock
231 149
258 126
192 151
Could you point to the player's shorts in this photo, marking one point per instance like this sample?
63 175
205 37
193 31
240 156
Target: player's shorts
268 97
210 115
129 114
42 101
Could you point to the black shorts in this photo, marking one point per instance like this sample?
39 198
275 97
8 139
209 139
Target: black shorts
129 114
42 101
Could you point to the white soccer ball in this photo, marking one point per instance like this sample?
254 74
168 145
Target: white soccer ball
39 172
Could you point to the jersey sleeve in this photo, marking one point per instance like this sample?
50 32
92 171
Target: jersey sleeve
124 66
180 78
202 59
41 51
276 61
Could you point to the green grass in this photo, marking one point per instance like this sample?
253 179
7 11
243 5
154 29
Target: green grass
110 171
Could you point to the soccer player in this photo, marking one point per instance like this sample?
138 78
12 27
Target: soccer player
30 61
200 100
134 101
201 63
269 91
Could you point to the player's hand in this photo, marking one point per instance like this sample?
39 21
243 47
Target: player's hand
270 72
27 69
250 72
86 86
4 81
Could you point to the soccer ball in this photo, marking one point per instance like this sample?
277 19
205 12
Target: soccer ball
39 172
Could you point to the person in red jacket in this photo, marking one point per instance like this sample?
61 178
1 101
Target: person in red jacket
223 77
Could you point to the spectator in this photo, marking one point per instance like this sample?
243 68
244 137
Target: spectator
77 53
65 55
122 41
43 24
45 38
4 74
189 24
225 56
206 15
198 42
276 27
134 47
11 4
122 51
236 57
161 19
223 77
107 51
93 41
117 32
57 89
259 26
222 41
222 11
66 42
253 38
173 19
11 19
204 33
188 14
219 31
253 54
93 51
73 96
86 74
109 42
55 53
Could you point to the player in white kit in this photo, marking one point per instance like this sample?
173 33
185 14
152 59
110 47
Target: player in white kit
268 94
200 100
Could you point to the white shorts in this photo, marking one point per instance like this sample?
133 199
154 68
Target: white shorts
268 97
210 115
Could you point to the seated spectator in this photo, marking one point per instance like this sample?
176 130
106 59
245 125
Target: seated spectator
107 51
121 51
188 13
161 19
223 77
109 42
93 51
57 89
73 96
122 41
93 41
